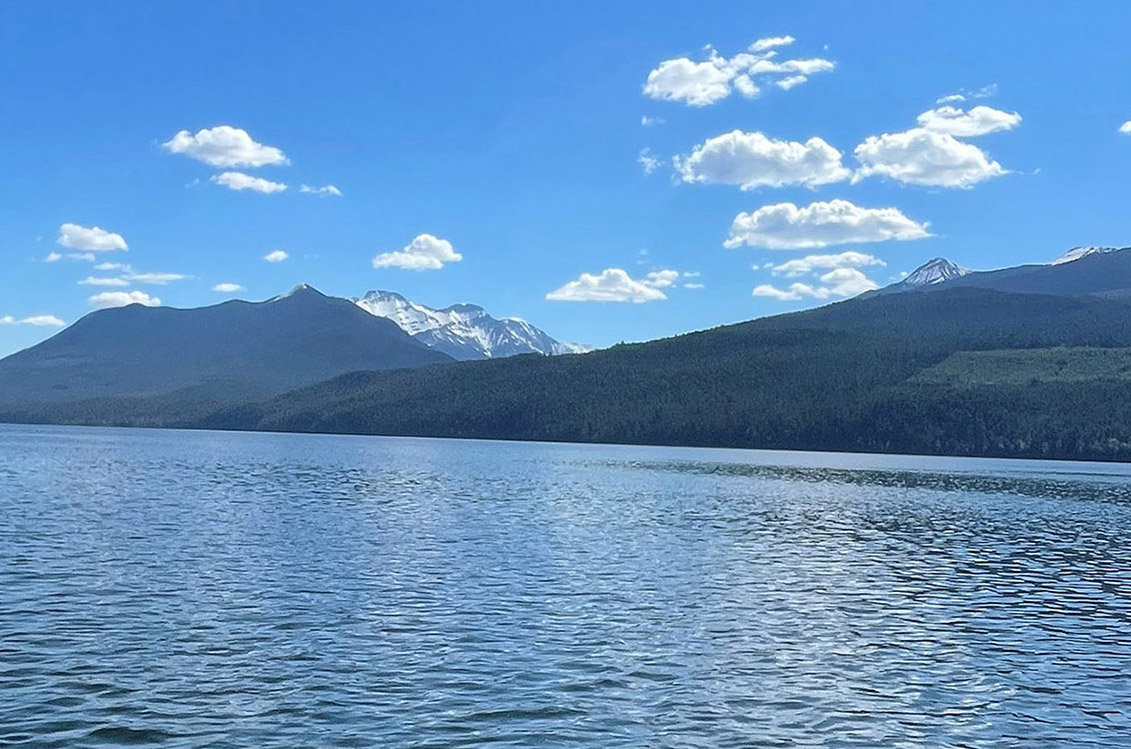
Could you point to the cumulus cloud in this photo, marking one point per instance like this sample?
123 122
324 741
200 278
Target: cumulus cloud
925 157
812 263
90 239
108 299
838 283
125 268
1125 128
426 252
647 161
661 279
702 83
224 146
43 321
752 160
276 256
968 123
227 288
53 257
785 226
96 281
610 285
241 181
324 190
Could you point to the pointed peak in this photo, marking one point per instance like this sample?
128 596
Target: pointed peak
936 270
302 290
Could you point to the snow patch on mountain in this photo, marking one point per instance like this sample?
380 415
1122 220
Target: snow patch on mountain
464 331
1078 252
934 271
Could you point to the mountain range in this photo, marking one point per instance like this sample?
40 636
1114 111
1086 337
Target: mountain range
1032 361
464 331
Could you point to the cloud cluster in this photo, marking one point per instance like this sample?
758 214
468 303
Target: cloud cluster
960 123
108 299
839 283
751 160
925 157
614 285
700 84
786 226
48 321
88 239
241 181
647 161
425 252
813 263
224 146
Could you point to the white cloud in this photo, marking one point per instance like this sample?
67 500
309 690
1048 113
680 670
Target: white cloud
968 123
113 266
647 121
647 161
276 256
751 160
694 286
785 226
839 283
699 84
52 257
1125 128
241 181
95 281
48 321
156 279
86 257
90 239
661 279
224 146
227 288
924 157
109 299
324 190
950 99
610 285
426 252
812 263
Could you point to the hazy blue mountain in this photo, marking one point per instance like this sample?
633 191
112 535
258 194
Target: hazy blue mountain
464 331
231 351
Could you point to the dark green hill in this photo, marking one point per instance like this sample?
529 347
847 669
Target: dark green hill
161 360
836 378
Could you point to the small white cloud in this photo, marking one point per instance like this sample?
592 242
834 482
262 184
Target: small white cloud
123 267
785 226
224 146
241 181
925 157
86 257
108 299
90 239
751 160
276 256
1125 128
647 161
43 321
694 286
647 121
951 99
156 279
661 279
812 263
425 252
610 285
960 123
839 283
95 281
700 84
324 190
52 257
227 288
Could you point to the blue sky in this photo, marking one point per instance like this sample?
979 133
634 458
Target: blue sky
510 134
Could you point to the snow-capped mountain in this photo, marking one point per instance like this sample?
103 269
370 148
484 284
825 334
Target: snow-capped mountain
464 331
1078 252
935 270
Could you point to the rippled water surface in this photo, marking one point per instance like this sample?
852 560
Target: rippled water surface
207 589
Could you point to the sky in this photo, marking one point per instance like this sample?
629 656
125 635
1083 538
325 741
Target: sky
607 171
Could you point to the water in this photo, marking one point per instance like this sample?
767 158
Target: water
205 589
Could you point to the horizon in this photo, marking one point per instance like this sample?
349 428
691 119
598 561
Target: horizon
728 166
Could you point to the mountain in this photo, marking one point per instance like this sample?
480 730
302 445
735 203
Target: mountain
1090 271
1078 252
198 358
934 271
464 331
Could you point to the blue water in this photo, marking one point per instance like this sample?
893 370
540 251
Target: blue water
188 589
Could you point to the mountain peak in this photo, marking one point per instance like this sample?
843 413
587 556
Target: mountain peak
936 270
302 290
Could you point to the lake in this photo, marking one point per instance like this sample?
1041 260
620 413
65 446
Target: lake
189 589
